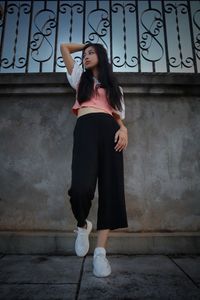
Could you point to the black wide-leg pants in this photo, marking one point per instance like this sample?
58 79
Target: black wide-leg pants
94 157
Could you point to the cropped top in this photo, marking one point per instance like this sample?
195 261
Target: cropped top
98 100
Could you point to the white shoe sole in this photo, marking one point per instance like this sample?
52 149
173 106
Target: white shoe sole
101 275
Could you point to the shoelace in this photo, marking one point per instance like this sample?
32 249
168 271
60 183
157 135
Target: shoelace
102 256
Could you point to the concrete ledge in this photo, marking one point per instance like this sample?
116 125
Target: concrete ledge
125 78
145 89
133 83
119 243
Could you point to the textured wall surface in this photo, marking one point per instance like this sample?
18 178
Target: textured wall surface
161 163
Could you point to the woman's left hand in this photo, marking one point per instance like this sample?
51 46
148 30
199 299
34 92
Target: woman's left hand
122 136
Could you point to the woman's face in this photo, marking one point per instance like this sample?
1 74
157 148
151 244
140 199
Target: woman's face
90 58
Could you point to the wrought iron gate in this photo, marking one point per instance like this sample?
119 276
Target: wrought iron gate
140 35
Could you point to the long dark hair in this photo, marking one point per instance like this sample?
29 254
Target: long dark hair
106 77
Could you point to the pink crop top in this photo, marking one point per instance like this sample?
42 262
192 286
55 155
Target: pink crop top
98 100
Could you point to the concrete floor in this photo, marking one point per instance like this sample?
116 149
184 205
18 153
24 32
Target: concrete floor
59 277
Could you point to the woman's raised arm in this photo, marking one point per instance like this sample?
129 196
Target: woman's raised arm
66 50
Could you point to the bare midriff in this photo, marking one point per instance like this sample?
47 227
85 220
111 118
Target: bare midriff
86 110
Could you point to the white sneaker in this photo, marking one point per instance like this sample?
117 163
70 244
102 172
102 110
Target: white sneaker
82 240
101 266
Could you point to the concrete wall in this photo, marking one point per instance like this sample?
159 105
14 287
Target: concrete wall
161 163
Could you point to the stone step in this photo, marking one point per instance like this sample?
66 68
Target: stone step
46 242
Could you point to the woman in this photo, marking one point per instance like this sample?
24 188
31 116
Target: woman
99 139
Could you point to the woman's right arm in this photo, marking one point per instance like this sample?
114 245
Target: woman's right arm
66 50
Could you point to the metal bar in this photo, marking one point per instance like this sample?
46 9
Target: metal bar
29 37
56 37
3 31
111 48
192 37
153 62
165 36
138 36
40 63
83 35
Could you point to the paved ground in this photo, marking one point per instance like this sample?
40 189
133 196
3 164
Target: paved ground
59 277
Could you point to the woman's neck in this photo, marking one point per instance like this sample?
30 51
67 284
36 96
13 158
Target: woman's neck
95 73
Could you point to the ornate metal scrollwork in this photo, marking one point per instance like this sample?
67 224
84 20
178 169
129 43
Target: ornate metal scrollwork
152 50
173 61
41 36
103 22
117 59
63 10
18 62
196 21
151 20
